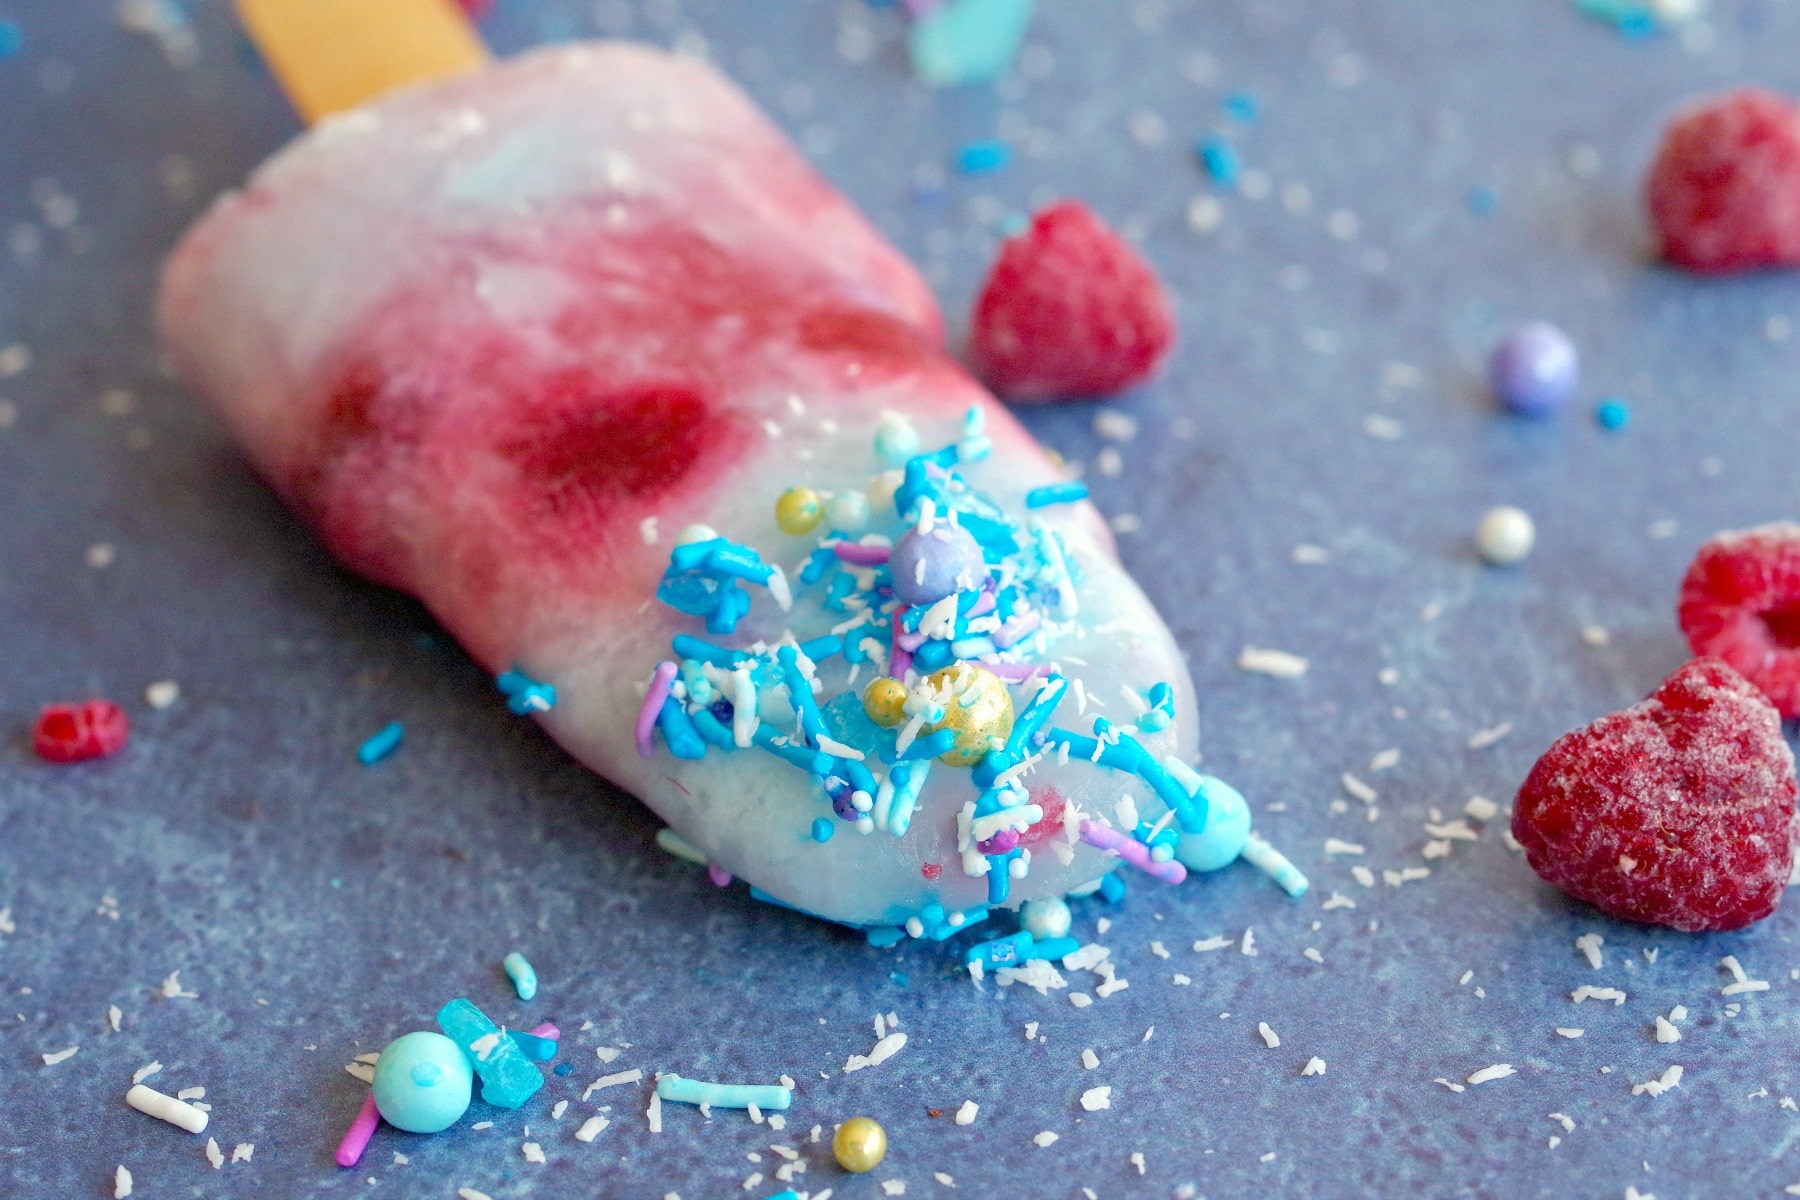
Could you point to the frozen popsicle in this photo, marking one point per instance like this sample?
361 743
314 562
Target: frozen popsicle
545 344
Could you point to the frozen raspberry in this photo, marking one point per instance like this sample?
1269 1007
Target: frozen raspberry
67 733
1678 811
1069 310
1740 601
1724 191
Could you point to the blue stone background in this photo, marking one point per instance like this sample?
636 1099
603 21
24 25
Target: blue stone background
1490 154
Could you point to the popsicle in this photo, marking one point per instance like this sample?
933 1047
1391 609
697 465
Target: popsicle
545 342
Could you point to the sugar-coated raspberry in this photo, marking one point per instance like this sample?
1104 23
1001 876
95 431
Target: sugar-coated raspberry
1724 191
1678 811
1069 310
66 733
1740 601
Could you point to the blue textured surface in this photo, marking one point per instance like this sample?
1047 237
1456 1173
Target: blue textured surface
320 908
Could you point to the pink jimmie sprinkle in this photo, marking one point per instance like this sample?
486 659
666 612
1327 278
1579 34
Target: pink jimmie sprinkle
1132 851
900 662
547 1030
356 1138
719 875
858 555
660 683
1016 628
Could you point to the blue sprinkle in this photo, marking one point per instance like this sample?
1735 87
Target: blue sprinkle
822 830
1112 888
11 39
522 974
562 1069
537 1049
899 977
1483 200
1242 106
982 158
1612 414
381 744
1056 493
525 695
883 936
1221 160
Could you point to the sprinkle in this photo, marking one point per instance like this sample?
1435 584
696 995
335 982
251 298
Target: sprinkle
166 1108
727 1095
356 1138
1056 493
171 988
1312 953
1363 876
161 695
1220 158
243 1151
1213 943
1589 945
1337 900
1666 1032
1335 846
1671 1078
1747 985
1248 946
966 1114
214 1155
1276 663
1571 1034
523 975
533 1152
1483 738
1268 1035
1489 1074
1080 999
653 1113
660 683
982 157
1358 789
1386 760
1480 808
1096 1098
613 1080
113 1017
1314 1066
1455 1087
1588 992
56 1056
1044 1139
381 744
146 1071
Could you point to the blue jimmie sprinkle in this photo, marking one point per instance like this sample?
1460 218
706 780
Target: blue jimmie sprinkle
1056 493
1612 414
562 1069
983 157
11 39
381 744
822 830
1112 888
523 976
1242 106
1483 200
525 695
1220 158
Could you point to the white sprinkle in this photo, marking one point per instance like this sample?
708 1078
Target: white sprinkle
607 1053
1570 1033
1045 1138
146 1071
1137 1160
113 1017
1505 535
941 1177
480 1125
1268 1035
558 1109
1363 876
1455 1087
1180 980
1277 663
1337 900
893 1187
533 1152
1114 425
1655 1087
1385 760
618 1077
591 1129
1358 789
1248 946
1748 985
1588 992
56 1056
1665 1032
1213 943
469 1193
1335 846
1314 1066
1405 875
1313 954
166 1108
1730 963
161 694
966 1114
653 1113
1489 1074
1480 808
1481 739
1158 949
1563 1119
243 1151
885 1049
214 1155
1589 945
1089 1060
1096 1098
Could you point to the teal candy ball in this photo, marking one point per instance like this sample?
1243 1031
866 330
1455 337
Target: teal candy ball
1227 829
423 1082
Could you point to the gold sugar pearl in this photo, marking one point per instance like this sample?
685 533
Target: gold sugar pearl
978 709
884 700
798 511
859 1144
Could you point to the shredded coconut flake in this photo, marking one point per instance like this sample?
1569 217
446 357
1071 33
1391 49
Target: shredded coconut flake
1489 1074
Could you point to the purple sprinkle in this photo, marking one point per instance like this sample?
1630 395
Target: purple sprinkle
858 555
1000 843
1015 672
1016 628
719 875
660 683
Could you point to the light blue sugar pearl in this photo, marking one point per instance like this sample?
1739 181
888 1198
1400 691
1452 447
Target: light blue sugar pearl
1046 918
1534 368
423 1083
1227 828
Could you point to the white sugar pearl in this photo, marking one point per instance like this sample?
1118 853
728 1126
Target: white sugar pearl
1046 918
695 533
1505 535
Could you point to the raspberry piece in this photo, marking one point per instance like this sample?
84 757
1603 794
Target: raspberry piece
1678 811
1740 601
1069 310
1724 191
66 733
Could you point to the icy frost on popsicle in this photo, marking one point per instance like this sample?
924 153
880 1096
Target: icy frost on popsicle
500 339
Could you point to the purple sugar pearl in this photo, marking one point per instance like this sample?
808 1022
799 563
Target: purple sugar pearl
926 567
1533 369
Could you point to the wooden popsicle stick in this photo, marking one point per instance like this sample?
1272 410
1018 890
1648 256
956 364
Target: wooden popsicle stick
332 55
